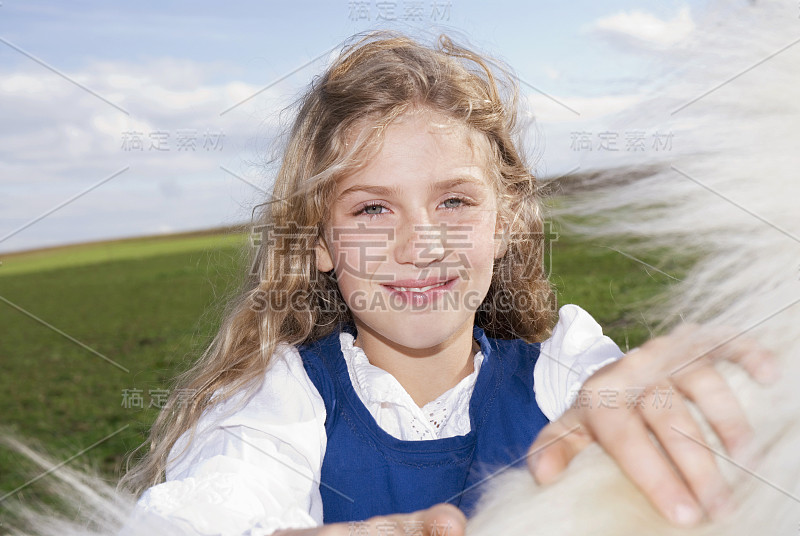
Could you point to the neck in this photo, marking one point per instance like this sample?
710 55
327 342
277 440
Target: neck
425 373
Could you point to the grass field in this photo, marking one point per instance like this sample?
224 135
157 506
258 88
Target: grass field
86 327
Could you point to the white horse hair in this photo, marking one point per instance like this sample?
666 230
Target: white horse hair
728 193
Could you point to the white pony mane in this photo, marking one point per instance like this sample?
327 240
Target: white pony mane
727 193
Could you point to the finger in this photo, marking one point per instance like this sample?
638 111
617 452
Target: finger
555 446
720 406
760 363
439 519
444 518
724 343
624 436
682 439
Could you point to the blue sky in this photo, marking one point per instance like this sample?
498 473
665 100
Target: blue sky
143 145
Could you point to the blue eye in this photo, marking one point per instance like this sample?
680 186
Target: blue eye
456 199
372 209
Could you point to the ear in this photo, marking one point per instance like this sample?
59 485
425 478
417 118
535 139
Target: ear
501 238
323 255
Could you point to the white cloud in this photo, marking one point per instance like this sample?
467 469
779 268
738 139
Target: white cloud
645 29
560 109
57 140
551 72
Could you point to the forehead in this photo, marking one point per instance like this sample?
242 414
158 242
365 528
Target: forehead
419 147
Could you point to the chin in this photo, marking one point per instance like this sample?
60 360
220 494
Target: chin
421 331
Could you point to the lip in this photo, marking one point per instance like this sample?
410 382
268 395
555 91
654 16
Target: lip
417 283
419 299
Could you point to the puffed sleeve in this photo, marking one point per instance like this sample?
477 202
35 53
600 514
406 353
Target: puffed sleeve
253 466
575 351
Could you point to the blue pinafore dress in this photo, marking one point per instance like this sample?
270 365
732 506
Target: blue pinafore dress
368 472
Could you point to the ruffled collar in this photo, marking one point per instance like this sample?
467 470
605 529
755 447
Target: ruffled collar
385 397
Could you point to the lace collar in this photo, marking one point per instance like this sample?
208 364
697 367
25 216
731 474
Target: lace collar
394 409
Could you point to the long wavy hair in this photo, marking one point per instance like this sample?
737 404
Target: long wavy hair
285 299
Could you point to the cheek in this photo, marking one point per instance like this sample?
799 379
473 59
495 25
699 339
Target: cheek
360 253
481 238
471 247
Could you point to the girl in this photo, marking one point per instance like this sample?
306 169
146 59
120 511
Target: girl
395 344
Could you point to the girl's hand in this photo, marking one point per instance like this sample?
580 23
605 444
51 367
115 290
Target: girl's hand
439 519
646 387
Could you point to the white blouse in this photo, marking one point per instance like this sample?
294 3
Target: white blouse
253 466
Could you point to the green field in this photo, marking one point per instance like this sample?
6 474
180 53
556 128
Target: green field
73 318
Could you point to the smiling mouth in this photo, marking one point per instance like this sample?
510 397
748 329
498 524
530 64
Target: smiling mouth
410 290
419 297
419 289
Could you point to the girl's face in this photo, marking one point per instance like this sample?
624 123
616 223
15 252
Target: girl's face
413 235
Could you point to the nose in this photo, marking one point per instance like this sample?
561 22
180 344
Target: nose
420 241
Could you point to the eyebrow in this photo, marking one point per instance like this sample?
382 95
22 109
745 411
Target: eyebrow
394 190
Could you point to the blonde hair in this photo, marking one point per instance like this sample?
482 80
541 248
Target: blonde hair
286 299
